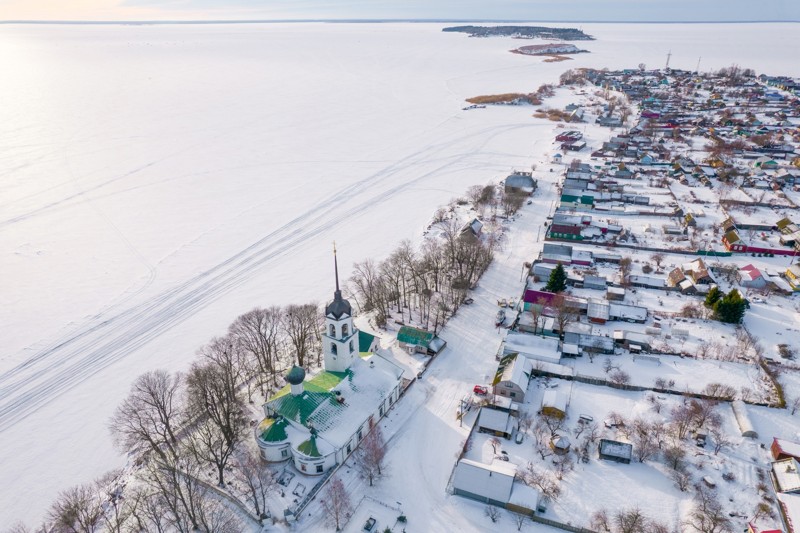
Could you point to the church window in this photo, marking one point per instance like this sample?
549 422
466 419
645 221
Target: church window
333 348
351 347
303 467
333 331
319 469
284 453
349 448
344 330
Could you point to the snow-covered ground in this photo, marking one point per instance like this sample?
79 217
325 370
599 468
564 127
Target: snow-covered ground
159 180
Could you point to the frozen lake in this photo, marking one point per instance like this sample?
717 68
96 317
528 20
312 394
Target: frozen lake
156 181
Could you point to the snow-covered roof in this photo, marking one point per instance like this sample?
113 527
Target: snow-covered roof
787 447
524 496
494 420
791 507
628 312
337 413
555 399
787 474
533 347
493 481
743 419
615 448
517 371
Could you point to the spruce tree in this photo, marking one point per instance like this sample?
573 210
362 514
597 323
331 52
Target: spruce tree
557 281
713 296
730 308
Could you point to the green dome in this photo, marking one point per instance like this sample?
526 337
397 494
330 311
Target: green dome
296 375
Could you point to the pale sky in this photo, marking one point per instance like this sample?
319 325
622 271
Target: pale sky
566 10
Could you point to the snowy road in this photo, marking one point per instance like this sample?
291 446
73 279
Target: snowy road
423 432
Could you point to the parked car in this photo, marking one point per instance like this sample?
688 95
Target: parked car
468 301
518 437
500 318
370 525
480 390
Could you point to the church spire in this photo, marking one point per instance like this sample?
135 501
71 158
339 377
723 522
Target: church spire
336 268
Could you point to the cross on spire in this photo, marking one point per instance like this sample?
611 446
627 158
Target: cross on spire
336 267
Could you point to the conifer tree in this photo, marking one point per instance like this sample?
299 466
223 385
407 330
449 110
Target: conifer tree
557 281
730 308
713 296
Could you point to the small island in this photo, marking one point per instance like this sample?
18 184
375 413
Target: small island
523 32
556 51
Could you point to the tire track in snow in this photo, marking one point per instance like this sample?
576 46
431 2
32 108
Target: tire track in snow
73 359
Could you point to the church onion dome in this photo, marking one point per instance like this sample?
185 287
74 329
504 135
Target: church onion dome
338 307
296 375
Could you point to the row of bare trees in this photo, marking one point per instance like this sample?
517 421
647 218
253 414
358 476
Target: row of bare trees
432 281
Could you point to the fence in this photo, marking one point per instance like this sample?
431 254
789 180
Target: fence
594 380
559 525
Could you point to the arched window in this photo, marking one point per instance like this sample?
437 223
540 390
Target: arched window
344 330
351 347
333 348
333 330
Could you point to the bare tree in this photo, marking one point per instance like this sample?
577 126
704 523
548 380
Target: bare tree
492 512
682 479
619 377
370 455
148 419
674 457
148 512
214 399
258 481
301 323
707 515
794 405
533 476
658 259
336 503
76 510
118 514
258 333
520 519
599 521
644 442
563 464
564 312
630 521
720 438
208 444
681 418
176 493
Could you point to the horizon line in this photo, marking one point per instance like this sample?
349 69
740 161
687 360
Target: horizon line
387 20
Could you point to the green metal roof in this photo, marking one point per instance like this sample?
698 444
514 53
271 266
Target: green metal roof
415 336
364 340
309 447
274 431
316 392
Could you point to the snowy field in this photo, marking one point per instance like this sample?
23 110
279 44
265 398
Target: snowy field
157 181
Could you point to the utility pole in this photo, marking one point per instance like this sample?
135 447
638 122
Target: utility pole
697 69
669 54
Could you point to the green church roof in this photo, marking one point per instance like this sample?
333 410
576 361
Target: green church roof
309 447
317 392
274 429
364 340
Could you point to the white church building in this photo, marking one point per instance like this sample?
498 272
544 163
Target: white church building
316 423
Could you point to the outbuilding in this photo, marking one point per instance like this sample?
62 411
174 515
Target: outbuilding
487 483
612 450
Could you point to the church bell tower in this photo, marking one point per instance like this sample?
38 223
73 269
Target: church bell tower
340 341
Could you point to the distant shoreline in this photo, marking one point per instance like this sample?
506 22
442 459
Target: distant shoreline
379 21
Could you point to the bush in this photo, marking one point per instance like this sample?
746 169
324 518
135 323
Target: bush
646 268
